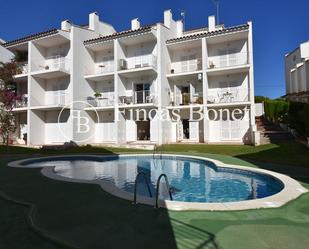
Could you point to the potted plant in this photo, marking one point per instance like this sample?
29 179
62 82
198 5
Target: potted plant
97 94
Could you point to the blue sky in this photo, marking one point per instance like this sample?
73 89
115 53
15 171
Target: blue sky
279 25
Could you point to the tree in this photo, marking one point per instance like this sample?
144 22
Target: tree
8 98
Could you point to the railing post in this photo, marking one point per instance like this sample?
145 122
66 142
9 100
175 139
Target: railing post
158 189
135 185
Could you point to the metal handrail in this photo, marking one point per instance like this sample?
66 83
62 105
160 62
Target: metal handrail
158 188
253 189
157 149
136 182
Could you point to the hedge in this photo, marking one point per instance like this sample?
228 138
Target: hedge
277 111
299 117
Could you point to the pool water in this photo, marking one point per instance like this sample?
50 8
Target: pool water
191 180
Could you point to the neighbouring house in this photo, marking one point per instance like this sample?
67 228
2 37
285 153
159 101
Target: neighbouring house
297 74
160 68
5 54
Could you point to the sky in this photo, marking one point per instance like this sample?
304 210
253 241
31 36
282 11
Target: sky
279 26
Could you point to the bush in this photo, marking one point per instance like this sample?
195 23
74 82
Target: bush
260 99
299 117
276 110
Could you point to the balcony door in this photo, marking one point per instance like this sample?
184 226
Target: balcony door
230 129
142 92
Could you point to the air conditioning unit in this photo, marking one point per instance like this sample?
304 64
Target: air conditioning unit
123 64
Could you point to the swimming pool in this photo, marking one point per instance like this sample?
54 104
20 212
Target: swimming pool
192 179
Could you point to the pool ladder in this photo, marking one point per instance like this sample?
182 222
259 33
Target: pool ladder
157 149
136 183
149 190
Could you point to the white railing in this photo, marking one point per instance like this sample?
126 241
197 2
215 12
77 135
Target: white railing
228 60
22 68
142 61
138 97
105 67
227 96
186 98
185 66
59 99
51 63
21 103
107 99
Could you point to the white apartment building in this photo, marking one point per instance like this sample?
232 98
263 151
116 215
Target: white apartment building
297 74
5 55
158 68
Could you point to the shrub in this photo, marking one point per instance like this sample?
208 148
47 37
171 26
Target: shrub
260 99
276 110
299 117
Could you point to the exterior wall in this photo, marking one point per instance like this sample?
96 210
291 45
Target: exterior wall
297 74
96 68
5 55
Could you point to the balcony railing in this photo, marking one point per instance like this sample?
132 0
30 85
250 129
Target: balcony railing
21 103
138 97
106 67
185 66
228 60
186 99
56 99
107 99
51 63
227 96
22 68
142 61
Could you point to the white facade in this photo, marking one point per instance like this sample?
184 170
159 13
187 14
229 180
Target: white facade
5 55
158 68
297 74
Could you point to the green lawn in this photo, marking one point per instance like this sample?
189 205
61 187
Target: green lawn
84 216
290 153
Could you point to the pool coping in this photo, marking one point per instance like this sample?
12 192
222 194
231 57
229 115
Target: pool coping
292 189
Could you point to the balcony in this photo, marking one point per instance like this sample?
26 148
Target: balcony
228 60
138 98
185 67
133 65
22 70
227 96
51 102
185 99
100 71
21 104
106 101
51 67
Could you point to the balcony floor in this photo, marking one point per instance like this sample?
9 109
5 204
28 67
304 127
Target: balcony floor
50 74
99 77
100 108
228 70
49 107
179 75
20 109
136 72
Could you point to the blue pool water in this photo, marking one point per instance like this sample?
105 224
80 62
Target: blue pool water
191 180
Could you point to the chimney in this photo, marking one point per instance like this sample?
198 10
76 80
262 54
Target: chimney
66 25
135 24
179 28
211 23
168 18
94 21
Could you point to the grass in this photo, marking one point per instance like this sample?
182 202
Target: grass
288 153
84 216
